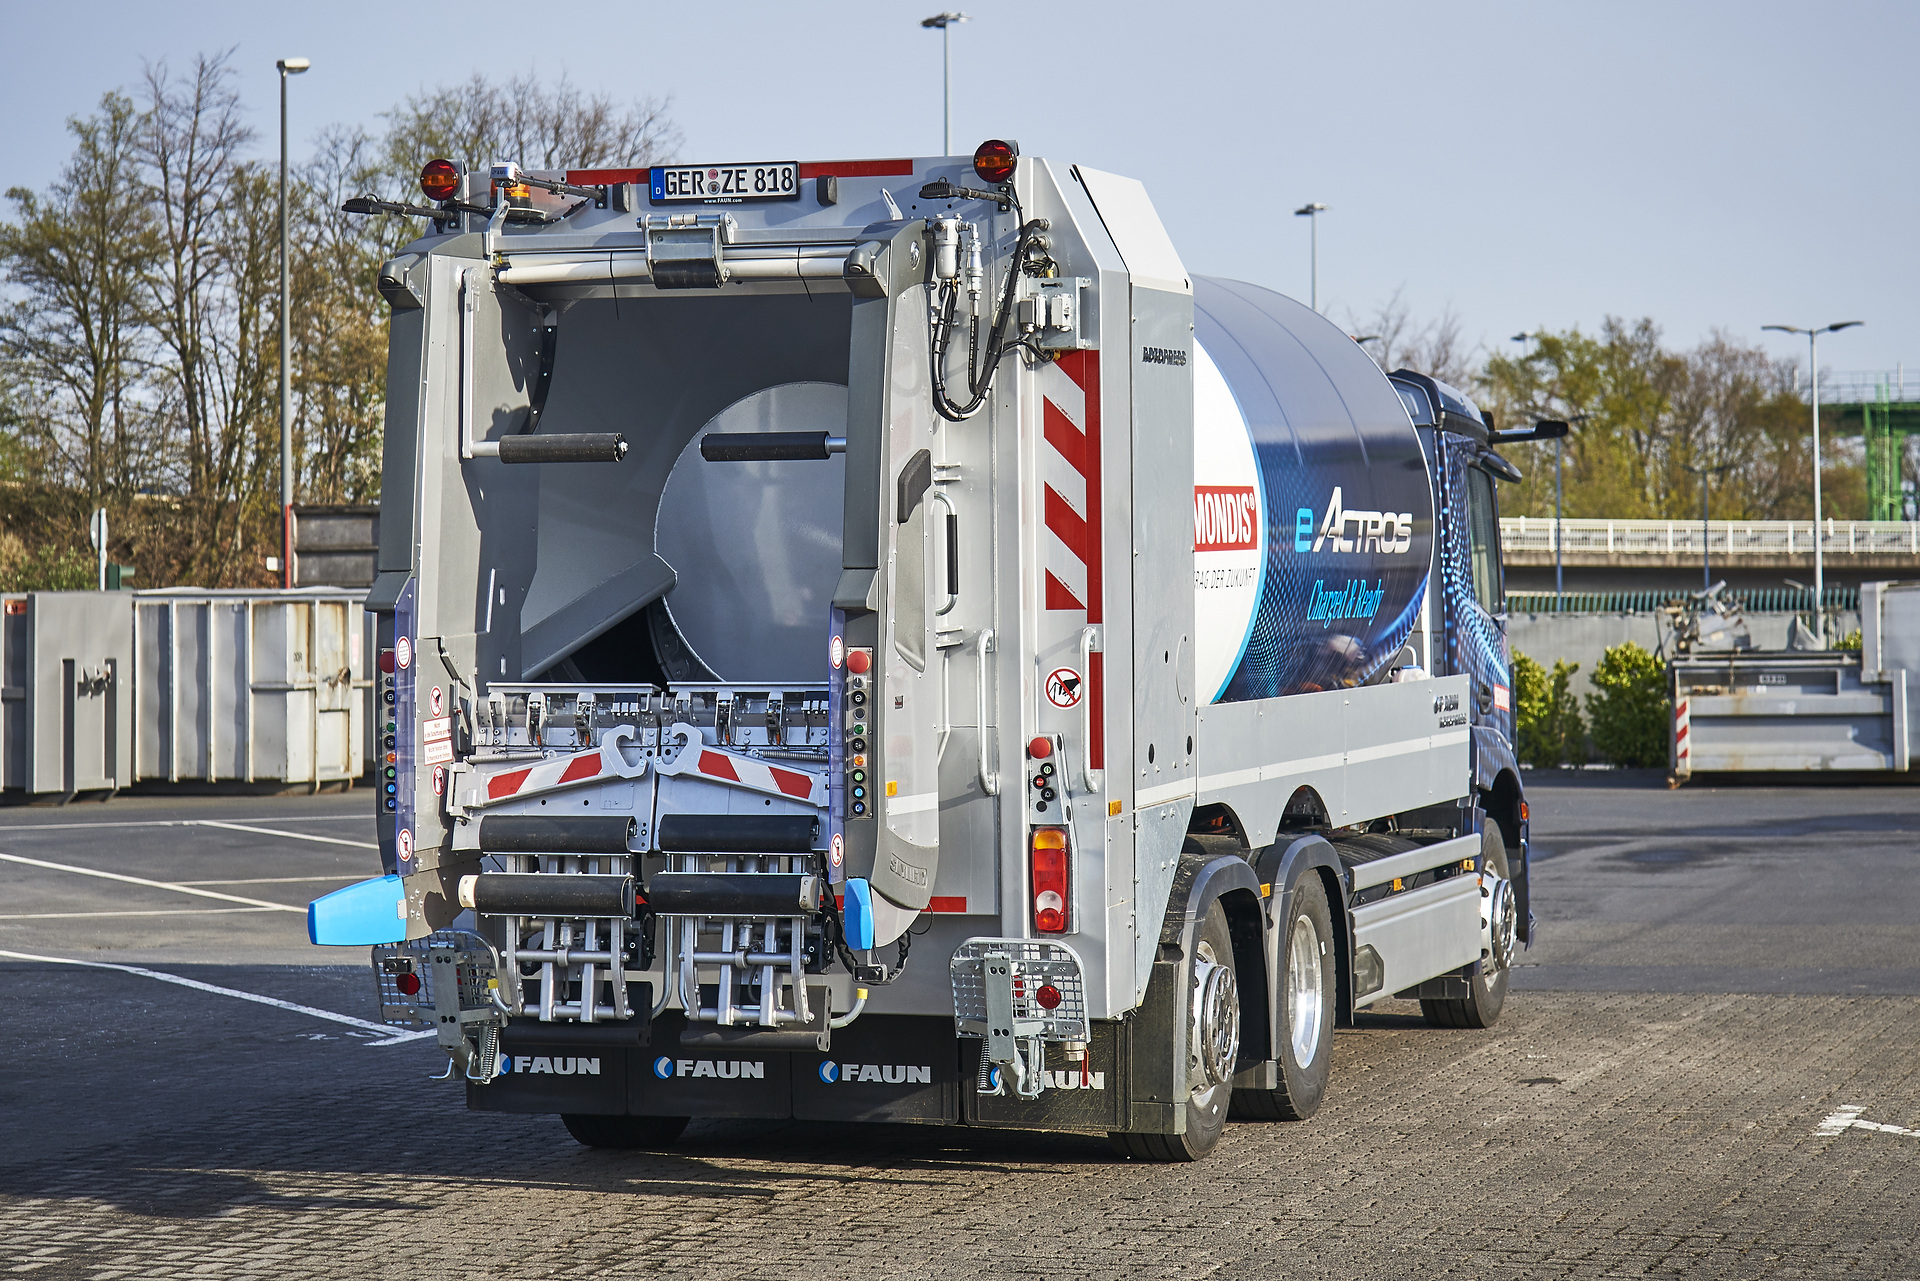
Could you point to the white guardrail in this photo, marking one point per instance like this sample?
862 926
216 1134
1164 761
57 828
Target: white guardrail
1724 537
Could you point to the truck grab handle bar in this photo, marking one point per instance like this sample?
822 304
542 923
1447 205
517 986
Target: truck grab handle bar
770 446
1087 771
555 447
953 554
989 777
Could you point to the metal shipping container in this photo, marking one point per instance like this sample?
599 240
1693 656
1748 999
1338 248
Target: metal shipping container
65 701
250 686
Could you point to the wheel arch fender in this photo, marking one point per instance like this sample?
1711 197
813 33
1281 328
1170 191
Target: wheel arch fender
1280 867
1504 802
1216 869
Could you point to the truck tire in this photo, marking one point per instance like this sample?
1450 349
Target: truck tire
1212 1010
1489 987
1303 1009
644 1133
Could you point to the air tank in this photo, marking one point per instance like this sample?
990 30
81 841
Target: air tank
1312 508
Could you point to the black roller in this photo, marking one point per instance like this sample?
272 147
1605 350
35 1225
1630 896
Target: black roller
547 894
556 834
763 446
738 833
557 447
732 894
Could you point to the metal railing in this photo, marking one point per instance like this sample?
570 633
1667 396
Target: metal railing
1764 600
1857 386
1723 537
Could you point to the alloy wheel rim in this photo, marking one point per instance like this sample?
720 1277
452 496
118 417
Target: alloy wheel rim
1306 1003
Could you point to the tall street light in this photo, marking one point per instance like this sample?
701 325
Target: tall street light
1312 214
288 67
1706 559
1813 362
943 21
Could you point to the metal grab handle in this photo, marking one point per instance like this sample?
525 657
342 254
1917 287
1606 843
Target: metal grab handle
952 591
769 446
1087 771
989 777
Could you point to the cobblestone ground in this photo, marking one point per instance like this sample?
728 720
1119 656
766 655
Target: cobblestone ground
1589 1135
1720 974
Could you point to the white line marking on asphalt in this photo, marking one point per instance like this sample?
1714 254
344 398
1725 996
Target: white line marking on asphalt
387 1033
276 880
1848 1117
180 822
292 836
171 911
158 885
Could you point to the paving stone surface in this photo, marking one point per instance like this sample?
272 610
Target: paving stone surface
1621 1121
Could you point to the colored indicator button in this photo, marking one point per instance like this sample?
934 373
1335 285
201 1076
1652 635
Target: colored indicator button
1047 795
1047 769
391 727
1039 782
859 807
859 792
392 773
859 776
392 804
859 729
859 745
392 788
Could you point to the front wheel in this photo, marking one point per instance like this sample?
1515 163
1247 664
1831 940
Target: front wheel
1487 989
1305 1012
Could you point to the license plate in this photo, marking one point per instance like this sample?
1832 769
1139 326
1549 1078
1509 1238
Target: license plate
725 184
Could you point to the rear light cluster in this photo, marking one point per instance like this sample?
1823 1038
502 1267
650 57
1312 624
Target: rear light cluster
1051 898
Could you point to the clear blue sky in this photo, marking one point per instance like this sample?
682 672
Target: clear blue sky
1706 164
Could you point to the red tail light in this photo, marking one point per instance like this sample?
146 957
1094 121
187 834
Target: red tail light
440 179
1050 889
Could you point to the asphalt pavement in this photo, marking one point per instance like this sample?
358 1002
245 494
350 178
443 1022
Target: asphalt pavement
1706 1069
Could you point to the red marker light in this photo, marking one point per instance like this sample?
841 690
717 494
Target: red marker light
409 984
858 661
440 179
994 160
1040 747
1048 996
386 661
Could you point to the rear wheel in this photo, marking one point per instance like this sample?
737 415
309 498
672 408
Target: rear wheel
641 1132
1212 1011
1488 988
1305 1012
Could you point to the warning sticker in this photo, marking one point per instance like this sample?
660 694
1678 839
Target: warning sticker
437 753
437 728
1064 687
403 653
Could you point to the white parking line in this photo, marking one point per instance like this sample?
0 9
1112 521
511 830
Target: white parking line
277 880
158 885
1848 1118
179 822
169 911
390 1037
292 836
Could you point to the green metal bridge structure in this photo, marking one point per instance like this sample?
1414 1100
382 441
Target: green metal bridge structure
1883 409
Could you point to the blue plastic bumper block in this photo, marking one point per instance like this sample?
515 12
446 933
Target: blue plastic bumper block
361 915
858 914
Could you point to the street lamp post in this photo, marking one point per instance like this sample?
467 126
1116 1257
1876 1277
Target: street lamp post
943 21
1813 372
288 67
1706 556
1311 213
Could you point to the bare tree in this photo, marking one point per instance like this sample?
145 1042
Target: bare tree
1434 347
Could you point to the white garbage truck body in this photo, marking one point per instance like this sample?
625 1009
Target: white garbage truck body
884 641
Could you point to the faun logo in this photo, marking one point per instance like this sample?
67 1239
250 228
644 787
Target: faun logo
534 1064
1390 532
1163 356
720 1069
875 1073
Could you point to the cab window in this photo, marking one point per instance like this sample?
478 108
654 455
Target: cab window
1483 541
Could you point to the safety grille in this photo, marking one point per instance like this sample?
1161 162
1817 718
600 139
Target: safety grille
1035 964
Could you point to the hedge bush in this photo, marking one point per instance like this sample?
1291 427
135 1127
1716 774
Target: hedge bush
1630 714
1546 714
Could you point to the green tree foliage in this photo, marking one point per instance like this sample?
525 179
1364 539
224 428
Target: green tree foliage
1546 713
1631 716
1650 412
139 312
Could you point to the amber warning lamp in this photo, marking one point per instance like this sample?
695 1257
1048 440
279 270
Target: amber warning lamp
995 160
440 179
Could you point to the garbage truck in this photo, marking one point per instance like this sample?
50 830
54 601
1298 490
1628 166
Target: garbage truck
886 641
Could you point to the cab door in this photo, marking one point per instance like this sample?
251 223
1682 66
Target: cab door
1474 602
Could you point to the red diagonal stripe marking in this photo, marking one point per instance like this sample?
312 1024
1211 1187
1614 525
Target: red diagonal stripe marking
1067 440
1058 597
586 765
793 784
947 903
1063 520
714 765
506 784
